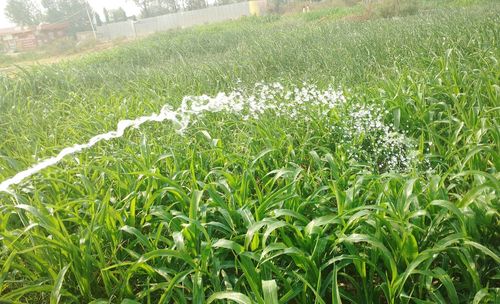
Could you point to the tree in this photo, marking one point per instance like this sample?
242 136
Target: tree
106 15
97 19
195 4
151 8
72 11
224 2
162 7
171 5
118 15
144 5
23 12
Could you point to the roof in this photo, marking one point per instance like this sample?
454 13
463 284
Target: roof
41 27
52 26
14 30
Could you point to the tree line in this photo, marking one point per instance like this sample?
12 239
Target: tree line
79 13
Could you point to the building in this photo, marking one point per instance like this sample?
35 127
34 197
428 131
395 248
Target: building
14 39
29 38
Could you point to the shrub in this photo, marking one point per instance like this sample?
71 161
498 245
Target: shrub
59 46
397 8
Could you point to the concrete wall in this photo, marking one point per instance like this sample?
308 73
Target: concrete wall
131 29
124 29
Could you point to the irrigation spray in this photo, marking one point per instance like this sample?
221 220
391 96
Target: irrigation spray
293 103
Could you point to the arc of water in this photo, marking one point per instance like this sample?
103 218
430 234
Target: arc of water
191 105
233 102
165 114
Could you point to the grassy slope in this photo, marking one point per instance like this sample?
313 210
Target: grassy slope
440 69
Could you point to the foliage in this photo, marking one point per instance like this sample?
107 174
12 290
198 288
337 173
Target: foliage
97 19
151 8
267 209
118 15
59 46
393 8
72 11
10 59
106 15
165 7
195 4
224 2
22 12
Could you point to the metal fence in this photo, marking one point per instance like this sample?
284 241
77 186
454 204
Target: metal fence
132 29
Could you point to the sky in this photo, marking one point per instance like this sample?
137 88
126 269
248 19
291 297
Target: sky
128 5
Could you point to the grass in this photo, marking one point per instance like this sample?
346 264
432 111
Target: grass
264 210
58 50
8 60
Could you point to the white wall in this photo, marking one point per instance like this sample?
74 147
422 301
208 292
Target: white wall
130 29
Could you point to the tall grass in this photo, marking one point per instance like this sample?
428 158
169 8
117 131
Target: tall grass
267 210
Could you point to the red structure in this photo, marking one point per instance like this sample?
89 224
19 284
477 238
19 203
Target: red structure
23 39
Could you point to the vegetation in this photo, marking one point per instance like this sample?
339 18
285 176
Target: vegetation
378 185
28 13
23 13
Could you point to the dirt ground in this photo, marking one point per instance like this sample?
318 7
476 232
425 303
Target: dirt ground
12 68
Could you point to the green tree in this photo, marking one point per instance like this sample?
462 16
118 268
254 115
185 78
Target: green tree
171 5
195 4
224 2
22 12
97 19
162 7
145 6
106 15
118 15
72 11
151 8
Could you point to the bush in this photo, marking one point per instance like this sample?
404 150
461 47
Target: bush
86 44
351 2
8 59
60 46
397 8
5 59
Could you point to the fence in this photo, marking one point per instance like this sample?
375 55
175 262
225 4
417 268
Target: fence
132 29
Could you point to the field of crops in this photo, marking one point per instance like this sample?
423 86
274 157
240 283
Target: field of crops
290 160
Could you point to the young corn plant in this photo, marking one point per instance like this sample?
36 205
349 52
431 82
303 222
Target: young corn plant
344 162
